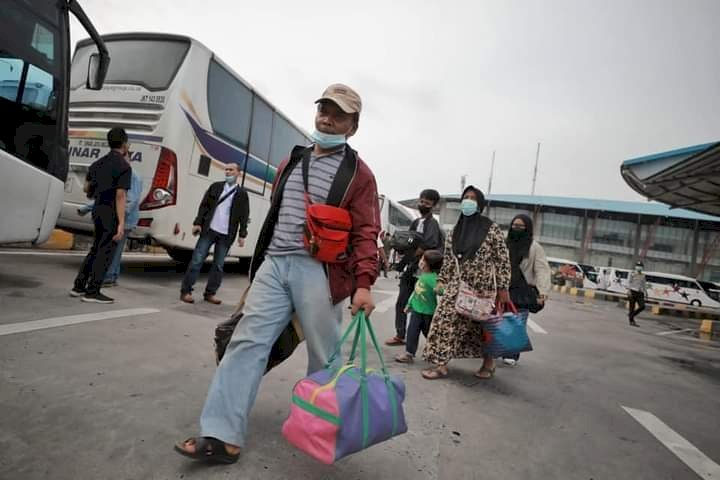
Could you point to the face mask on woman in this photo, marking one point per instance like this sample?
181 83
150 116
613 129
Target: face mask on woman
468 207
518 234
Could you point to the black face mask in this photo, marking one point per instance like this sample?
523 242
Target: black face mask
424 210
516 235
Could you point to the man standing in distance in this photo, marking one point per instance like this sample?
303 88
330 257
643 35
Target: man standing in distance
637 291
430 237
224 209
287 277
107 182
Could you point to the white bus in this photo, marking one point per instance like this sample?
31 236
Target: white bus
394 216
34 73
612 279
669 288
187 115
565 272
712 289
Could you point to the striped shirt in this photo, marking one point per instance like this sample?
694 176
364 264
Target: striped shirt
288 235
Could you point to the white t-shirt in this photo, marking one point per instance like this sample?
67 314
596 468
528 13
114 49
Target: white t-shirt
221 218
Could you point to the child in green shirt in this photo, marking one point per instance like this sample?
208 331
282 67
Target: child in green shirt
422 304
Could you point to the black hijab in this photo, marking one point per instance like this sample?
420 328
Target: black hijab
470 231
519 245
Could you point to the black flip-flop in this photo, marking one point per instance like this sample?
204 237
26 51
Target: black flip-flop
208 450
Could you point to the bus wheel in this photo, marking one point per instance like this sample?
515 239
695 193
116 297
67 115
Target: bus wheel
696 303
180 255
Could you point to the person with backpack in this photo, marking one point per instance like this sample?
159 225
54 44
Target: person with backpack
427 235
223 214
530 272
302 266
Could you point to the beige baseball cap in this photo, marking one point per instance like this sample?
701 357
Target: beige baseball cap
345 97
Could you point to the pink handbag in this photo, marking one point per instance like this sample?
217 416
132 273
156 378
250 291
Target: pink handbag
471 304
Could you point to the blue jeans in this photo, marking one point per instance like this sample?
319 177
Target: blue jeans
419 323
202 249
282 284
114 269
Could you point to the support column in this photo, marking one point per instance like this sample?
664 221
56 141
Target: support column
692 267
638 233
584 242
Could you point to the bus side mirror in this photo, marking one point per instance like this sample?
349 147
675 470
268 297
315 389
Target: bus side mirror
97 70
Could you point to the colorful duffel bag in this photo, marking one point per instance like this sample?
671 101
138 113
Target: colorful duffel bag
505 333
336 412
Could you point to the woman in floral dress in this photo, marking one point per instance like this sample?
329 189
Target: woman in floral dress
480 248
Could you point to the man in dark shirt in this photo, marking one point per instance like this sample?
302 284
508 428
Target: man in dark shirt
430 233
107 182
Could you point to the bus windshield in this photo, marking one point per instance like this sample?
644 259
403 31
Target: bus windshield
149 63
30 80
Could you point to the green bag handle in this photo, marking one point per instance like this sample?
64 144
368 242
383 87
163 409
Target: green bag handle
388 382
354 325
362 327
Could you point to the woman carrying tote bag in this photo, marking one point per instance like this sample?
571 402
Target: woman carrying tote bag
530 279
477 264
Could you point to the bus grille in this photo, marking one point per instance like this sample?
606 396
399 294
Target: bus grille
133 117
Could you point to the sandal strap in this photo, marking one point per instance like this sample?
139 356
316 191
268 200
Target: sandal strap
206 447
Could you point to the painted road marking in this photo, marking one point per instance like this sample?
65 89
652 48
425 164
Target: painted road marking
385 305
386 292
535 327
22 327
673 332
684 450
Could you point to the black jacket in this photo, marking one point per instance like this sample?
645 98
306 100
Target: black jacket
239 211
432 239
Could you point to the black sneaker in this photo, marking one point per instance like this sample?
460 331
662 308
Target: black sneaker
75 292
97 298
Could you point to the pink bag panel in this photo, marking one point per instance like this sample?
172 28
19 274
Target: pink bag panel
309 432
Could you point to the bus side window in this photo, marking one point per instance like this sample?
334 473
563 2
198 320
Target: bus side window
204 165
229 105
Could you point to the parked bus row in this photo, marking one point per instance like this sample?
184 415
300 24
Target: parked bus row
187 114
662 287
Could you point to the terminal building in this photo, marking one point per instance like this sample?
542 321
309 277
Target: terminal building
609 233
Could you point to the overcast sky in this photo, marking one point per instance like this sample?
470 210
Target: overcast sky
444 83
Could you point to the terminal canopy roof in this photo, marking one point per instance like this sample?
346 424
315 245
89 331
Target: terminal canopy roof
684 178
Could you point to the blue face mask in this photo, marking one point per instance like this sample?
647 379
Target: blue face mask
328 140
468 207
231 179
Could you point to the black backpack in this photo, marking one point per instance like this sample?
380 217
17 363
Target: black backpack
405 240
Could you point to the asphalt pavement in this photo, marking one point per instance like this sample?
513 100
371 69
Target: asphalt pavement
103 391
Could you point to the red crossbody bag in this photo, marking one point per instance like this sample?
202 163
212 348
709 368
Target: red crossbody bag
327 226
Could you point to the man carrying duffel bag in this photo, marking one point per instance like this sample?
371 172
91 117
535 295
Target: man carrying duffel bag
317 247
339 411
